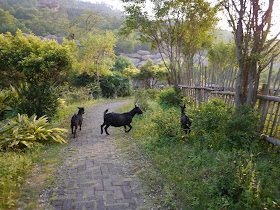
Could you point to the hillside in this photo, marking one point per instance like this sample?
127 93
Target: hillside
53 17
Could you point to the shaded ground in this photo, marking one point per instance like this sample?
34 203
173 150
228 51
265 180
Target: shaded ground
94 176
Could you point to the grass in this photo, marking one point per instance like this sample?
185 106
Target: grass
184 175
24 174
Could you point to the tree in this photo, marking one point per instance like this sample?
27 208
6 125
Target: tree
40 64
222 54
80 26
9 23
125 44
121 63
251 24
99 48
151 74
176 28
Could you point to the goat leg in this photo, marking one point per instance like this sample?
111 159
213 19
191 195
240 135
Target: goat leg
107 126
75 132
102 128
80 126
124 128
129 128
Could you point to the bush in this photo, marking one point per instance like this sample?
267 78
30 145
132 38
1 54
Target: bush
81 80
166 127
242 129
141 97
8 103
21 132
235 182
14 167
220 127
181 176
170 97
95 89
115 84
153 93
40 99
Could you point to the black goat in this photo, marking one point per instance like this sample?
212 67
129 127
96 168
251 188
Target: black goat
118 120
185 121
77 120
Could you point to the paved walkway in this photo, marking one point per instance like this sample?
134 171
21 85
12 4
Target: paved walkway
93 176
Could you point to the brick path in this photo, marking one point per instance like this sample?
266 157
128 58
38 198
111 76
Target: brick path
93 176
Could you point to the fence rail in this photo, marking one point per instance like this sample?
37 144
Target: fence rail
268 107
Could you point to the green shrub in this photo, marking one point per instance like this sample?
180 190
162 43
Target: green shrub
221 127
14 167
235 183
81 80
141 98
115 84
242 129
40 99
153 93
166 126
181 176
21 132
170 97
8 103
95 89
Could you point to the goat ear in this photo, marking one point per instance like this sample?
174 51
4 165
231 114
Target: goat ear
136 105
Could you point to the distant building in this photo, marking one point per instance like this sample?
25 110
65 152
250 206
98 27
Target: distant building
53 5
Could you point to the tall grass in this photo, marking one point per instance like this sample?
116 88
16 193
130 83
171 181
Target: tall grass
197 171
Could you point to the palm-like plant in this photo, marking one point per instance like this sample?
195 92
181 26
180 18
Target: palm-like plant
28 132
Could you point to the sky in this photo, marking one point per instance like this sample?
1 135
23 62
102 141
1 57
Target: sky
117 4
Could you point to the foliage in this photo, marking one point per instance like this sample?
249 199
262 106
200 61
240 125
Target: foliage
114 84
216 54
8 103
177 27
73 17
42 63
14 167
21 132
81 80
38 60
99 49
95 89
125 44
235 182
151 74
182 175
254 49
40 99
131 72
10 23
153 93
170 97
166 126
141 97
122 63
220 127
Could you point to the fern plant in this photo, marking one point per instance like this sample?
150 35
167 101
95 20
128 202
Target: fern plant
22 131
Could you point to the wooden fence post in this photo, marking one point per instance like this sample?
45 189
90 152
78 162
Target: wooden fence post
199 97
262 106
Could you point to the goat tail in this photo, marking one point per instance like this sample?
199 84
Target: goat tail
105 112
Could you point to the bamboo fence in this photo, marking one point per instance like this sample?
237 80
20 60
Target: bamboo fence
202 84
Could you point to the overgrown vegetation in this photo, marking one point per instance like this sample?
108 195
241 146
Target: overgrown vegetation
21 132
221 164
